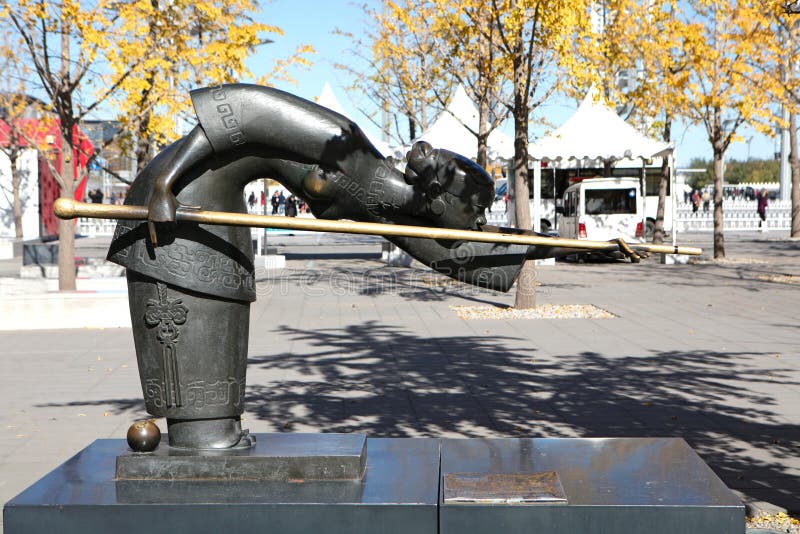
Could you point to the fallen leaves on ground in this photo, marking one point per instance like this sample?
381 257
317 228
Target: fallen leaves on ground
780 278
545 311
779 522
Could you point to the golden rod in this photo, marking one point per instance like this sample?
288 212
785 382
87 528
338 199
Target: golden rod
69 209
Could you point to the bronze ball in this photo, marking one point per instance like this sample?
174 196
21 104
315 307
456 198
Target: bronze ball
144 436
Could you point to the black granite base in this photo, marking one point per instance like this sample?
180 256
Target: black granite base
397 494
612 486
605 486
277 457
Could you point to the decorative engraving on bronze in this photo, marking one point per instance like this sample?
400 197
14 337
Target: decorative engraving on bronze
496 488
154 393
166 313
200 393
205 266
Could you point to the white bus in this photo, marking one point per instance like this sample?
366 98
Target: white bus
555 182
602 209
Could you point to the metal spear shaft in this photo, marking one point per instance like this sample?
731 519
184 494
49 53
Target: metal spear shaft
69 209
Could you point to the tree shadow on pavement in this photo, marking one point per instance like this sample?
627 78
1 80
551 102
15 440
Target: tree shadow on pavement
130 406
750 278
374 279
386 381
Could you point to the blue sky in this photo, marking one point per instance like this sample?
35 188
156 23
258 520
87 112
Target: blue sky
314 23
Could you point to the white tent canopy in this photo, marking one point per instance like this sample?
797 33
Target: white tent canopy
451 130
328 99
595 132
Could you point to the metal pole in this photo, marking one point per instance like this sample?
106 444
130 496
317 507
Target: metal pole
264 212
674 195
511 213
785 173
644 200
68 209
537 196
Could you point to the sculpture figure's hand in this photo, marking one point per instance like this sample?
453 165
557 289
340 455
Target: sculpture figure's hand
163 207
457 190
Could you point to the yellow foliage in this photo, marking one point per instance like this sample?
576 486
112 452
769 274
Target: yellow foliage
418 49
143 56
703 61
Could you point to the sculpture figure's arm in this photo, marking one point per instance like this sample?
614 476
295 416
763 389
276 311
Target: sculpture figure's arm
441 188
326 159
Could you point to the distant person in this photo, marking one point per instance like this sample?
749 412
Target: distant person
281 199
695 200
761 208
706 197
96 196
275 202
251 200
291 206
113 198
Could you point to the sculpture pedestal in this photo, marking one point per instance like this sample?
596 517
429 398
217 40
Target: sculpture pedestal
397 495
276 457
557 486
611 485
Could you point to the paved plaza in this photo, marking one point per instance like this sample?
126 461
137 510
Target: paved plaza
341 343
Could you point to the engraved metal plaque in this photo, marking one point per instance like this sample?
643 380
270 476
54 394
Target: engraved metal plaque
496 488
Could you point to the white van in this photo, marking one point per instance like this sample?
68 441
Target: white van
601 209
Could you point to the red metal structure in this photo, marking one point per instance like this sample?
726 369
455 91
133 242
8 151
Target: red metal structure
47 133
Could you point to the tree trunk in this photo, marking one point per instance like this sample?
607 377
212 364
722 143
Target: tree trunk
144 148
658 232
719 238
526 287
143 145
412 128
794 165
16 186
66 228
483 134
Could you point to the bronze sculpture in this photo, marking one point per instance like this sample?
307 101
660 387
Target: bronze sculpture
190 285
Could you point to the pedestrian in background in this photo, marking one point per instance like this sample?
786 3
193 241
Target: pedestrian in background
276 203
291 206
761 208
706 196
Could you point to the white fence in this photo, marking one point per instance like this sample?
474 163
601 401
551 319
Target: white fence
105 227
738 215
96 227
497 216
